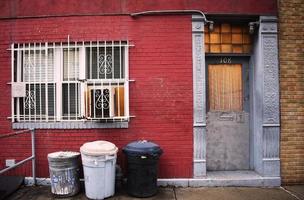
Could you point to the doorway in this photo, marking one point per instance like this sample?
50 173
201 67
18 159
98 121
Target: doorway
227 123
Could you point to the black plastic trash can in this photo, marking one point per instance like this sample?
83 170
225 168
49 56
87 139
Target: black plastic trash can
142 157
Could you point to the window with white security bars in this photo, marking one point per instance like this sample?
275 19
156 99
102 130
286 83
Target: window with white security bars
78 81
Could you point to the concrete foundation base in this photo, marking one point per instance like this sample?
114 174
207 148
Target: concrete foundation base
224 179
212 179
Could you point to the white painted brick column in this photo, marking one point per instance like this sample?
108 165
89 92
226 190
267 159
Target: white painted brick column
271 109
199 97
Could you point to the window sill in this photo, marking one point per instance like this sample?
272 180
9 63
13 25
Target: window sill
69 125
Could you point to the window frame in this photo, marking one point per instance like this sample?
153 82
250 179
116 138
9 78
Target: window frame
214 59
58 62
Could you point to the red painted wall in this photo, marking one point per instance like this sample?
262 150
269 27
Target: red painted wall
160 64
160 97
12 8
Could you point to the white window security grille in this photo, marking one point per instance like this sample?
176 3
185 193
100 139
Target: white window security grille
74 81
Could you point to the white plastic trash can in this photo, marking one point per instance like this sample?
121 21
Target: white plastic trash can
99 160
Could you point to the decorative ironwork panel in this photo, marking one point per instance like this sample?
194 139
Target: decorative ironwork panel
105 63
29 66
102 99
30 100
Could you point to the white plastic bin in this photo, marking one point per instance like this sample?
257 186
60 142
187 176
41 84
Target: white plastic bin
99 160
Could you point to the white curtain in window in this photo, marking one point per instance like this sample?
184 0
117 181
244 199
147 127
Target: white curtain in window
37 66
70 64
225 87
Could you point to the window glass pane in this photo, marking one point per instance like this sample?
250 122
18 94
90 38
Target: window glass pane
70 100
100 103
15 66
37 66
225 87
119 101
215 48
237 38
236 48
226 28
70 64
39 102
51 100
226 38
106 101
226 48
105 63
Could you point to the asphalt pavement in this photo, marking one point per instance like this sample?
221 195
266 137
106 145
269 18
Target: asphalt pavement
167 193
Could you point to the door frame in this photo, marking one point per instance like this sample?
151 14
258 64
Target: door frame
265 106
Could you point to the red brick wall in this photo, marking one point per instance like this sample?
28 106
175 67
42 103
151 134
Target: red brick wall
77 7
291 39
160 97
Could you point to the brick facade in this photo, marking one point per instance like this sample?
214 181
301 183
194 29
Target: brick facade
161 98
161 65
291 48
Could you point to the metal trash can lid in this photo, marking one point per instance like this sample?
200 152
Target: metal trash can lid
98 148
142 147
62 155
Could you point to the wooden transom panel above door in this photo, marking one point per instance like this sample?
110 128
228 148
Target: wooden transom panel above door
228 38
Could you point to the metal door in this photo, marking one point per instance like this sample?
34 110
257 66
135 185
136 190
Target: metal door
228 113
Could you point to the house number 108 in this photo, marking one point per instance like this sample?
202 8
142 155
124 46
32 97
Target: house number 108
225 60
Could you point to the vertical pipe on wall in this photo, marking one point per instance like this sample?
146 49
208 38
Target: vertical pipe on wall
33 155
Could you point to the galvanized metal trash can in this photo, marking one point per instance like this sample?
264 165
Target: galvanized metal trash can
64 169
142 159
99 160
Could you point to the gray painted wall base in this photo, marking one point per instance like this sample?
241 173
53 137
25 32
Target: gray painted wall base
29 181
213 179
199 167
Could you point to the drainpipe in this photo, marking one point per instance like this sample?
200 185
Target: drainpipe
172 12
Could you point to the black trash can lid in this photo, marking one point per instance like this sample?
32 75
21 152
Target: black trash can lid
142 147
